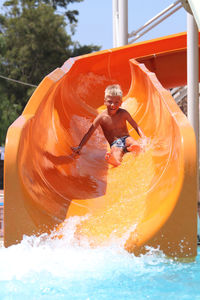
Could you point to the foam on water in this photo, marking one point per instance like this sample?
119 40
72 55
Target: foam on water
47 267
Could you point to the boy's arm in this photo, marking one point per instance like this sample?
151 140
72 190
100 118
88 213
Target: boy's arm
135 125
87 136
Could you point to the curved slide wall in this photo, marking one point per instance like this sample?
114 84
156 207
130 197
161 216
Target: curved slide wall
148 200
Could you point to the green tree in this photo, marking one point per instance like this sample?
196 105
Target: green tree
36 42
33 42
70 14
9 110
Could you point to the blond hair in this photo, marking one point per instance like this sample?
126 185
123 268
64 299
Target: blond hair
113 90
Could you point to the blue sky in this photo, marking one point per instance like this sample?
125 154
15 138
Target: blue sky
95 20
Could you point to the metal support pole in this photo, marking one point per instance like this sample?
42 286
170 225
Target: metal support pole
123 22
166 13
115 16
193 79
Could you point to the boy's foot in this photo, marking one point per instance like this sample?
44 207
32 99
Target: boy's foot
110 159
134 148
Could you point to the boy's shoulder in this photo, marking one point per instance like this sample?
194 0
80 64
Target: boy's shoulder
102 115
122 111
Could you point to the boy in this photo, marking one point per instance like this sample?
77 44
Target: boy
113 123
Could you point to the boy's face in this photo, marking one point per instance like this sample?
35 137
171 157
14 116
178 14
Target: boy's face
113 103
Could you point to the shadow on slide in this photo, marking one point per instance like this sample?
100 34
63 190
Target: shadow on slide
150 200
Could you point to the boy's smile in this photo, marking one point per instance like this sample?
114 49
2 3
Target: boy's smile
113 103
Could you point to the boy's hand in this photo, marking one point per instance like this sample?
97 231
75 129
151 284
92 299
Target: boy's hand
76 149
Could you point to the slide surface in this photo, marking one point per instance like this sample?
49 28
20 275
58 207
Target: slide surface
150 200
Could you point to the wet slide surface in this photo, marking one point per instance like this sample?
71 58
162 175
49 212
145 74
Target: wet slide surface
150 199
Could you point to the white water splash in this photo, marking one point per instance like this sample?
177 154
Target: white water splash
49 267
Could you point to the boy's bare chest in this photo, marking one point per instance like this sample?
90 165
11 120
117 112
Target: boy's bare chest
113 122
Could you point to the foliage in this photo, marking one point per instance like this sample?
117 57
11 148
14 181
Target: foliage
33 42
70 14
9 112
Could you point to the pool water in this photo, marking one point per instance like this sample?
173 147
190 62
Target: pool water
46 268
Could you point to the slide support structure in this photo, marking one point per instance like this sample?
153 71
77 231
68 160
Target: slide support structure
120 23
115 22
193 80
123 22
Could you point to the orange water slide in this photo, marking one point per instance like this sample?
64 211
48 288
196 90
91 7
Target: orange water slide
151 199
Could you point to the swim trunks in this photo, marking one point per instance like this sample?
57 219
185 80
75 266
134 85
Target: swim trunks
120 143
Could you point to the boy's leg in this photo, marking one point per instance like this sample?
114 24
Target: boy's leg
114 157
132 145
